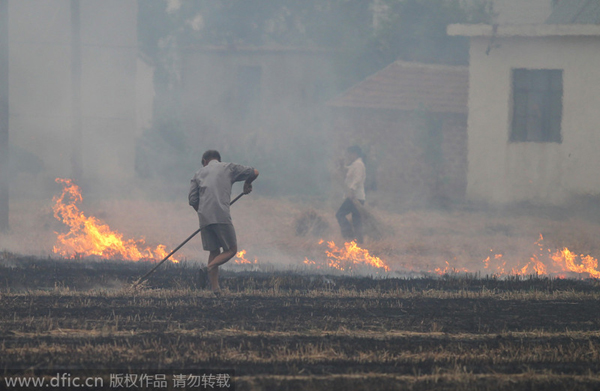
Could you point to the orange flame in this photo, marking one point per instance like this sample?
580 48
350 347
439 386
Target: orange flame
543 262
546 262
565 259
89 236
311 263
538 266
351 254
448 269
347 258
241 258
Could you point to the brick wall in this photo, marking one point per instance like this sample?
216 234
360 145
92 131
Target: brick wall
414 164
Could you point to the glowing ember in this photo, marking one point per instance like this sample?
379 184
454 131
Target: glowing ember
449 269
89 236
311 263
348 258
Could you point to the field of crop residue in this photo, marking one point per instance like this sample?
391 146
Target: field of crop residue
295 331
467 298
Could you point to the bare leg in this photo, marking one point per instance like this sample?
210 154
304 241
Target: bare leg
216 259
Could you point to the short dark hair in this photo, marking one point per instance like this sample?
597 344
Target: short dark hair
210 155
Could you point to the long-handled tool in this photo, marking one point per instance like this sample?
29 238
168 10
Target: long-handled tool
145 276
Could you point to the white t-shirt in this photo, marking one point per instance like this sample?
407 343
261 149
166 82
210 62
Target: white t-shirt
355 179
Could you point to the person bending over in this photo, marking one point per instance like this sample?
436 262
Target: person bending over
210 195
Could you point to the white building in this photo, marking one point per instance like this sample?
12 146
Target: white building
534 107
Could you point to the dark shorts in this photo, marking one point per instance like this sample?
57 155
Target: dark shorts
215 236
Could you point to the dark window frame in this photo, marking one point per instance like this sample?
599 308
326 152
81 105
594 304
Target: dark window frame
537 106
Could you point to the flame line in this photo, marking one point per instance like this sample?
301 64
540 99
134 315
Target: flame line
89 236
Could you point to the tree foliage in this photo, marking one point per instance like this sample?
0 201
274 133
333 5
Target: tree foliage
411 30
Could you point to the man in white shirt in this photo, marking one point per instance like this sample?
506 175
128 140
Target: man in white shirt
354 189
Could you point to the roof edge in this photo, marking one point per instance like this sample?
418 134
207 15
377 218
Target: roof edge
523 30
425 65
334 102
229 49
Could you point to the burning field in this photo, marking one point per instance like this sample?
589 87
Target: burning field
305 332
88 236
417 243
451 300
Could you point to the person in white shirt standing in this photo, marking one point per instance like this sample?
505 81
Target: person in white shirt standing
354 189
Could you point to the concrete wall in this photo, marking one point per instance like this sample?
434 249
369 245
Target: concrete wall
501 171
40 90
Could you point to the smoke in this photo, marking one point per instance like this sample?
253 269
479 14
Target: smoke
255 80
197 23
173 5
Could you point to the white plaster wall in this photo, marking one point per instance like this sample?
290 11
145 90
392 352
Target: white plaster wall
500 171
109 59
40 88
145 93
39 81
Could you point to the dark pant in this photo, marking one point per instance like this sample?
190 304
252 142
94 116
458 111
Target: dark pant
350 231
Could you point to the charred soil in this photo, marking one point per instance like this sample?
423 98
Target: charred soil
283 331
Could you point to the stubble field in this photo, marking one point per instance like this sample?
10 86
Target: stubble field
294 331
285 326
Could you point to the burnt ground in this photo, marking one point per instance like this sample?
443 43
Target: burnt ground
294 331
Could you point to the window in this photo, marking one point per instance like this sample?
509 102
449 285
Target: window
537 105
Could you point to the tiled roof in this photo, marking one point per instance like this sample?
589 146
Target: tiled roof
411 86
575 12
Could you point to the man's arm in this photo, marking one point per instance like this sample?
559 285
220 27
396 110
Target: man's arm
248 183
194 195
